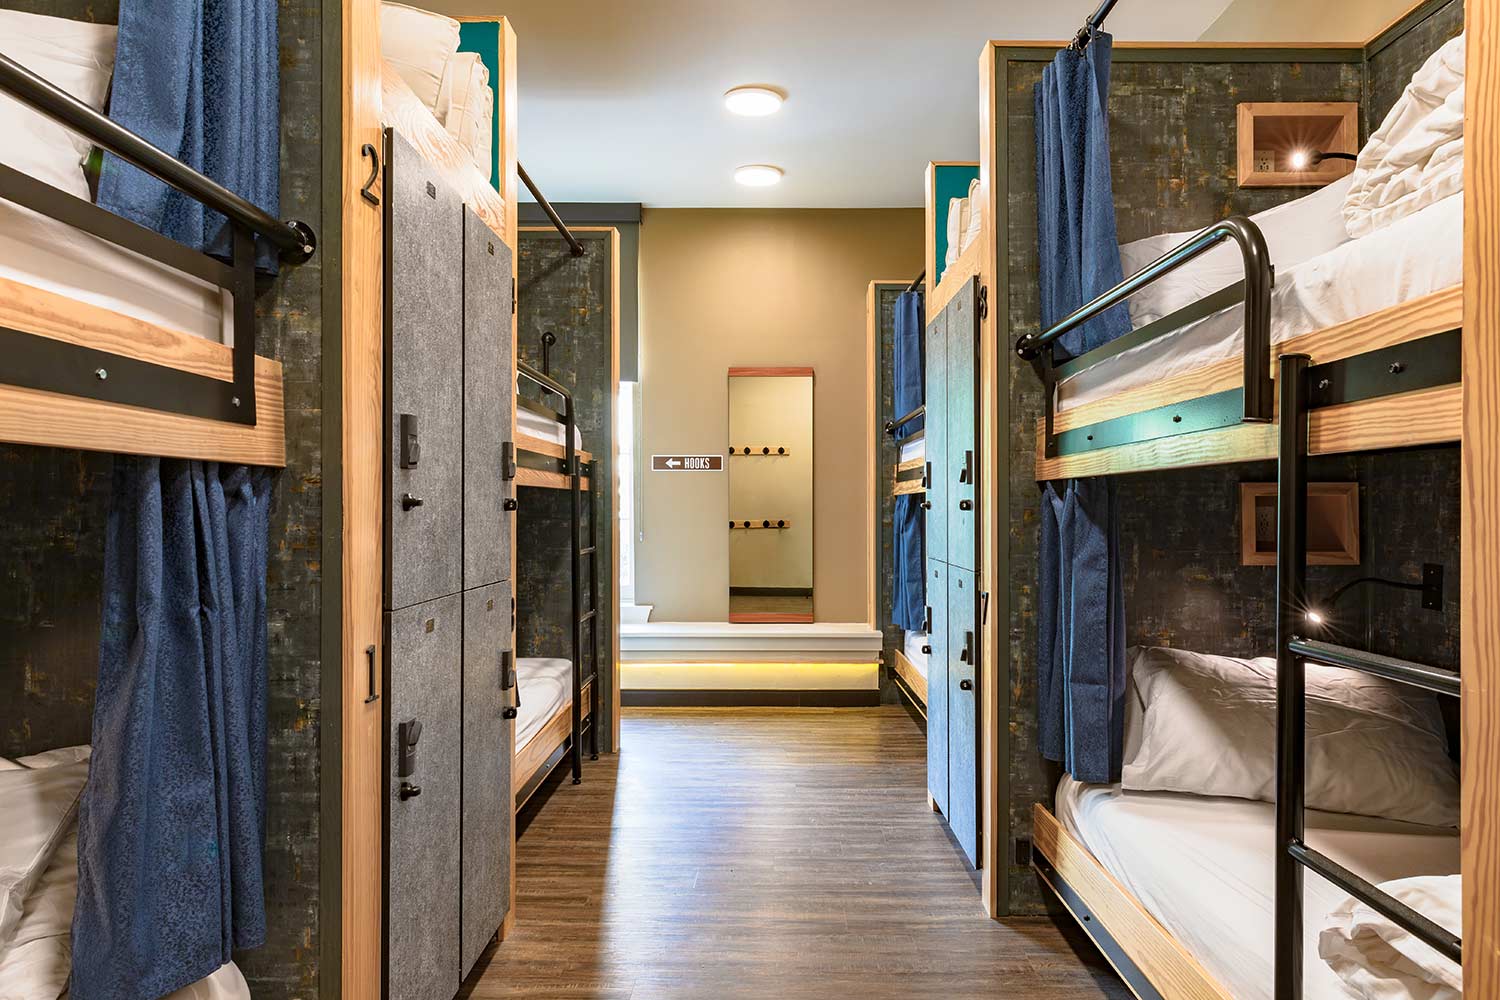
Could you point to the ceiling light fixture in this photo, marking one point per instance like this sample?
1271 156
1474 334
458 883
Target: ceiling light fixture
753 102
758 175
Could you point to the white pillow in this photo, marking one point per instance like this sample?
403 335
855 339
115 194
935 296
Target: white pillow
6 764
418 44
1295 231
74 55
1416 156
1379 960
975 220
1208 727
466 107
36 961
39 807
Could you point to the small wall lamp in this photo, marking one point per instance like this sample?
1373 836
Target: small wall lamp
1303 159
1431 588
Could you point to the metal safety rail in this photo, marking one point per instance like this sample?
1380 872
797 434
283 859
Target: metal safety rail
582 617
44 363
1293 651
1252 403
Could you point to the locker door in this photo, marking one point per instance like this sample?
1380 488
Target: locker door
937 683
963 420
424 278
488 741
935 436
423 813
963 713
488 378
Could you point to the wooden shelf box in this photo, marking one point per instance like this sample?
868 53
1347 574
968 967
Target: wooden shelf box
1332 524
1270 132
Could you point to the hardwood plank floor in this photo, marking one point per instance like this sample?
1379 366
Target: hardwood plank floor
767 853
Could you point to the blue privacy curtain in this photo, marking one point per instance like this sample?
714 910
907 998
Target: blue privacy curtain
1081 630
200 80
172 820
1080 258
1080 597
908 596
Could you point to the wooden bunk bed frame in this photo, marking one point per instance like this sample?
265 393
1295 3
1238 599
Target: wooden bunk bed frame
551 466
1456 400
77 375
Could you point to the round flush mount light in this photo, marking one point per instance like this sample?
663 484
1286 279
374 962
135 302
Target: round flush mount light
753 102
758 175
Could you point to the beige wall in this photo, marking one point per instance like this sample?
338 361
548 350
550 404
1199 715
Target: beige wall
1301 21
726 287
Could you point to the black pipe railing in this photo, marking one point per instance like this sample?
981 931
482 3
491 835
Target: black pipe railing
1434 679
557 222
891 426
1259 277
294 239
916 282
1095 21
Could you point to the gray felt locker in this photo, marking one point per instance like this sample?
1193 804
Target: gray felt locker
424 375
962 440
488 742
935 435
963 713
937 682
488 375
424 647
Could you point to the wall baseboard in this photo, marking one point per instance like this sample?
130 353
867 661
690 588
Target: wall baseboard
749 699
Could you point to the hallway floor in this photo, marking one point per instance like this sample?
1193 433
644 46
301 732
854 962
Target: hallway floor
767 853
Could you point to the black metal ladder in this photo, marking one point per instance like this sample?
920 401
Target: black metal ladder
1293 651
585 619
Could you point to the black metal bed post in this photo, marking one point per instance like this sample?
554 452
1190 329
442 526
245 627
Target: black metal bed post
1291 702
570 425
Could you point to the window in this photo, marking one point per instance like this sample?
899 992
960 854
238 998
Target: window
625 425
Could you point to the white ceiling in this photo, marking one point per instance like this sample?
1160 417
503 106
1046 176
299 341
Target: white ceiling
622 101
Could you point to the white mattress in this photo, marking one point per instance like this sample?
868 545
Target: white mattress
1418 255
546 685
535 425
1204 868
43 252
911 645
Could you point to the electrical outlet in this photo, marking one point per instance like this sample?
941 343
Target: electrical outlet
1023 852
1265 161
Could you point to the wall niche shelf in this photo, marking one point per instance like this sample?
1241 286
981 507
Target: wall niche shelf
1332 524
1272 133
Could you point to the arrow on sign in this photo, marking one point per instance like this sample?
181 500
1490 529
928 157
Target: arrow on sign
674 463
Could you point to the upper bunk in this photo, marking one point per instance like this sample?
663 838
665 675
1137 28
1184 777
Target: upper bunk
1371 290
548 444
117 338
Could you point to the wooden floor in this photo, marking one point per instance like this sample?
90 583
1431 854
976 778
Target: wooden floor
766 853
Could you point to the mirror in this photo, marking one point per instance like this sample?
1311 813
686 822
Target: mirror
770 494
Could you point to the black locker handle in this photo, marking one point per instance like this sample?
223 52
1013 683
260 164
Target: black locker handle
509 683
370 667
927 477
507 460
927 620
966 655
966 474
411 444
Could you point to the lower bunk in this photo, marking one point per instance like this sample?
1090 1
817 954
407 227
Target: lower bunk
544 720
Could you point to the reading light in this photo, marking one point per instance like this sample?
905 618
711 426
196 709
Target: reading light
1301 159
1431 589
758 175
1315 616
753 102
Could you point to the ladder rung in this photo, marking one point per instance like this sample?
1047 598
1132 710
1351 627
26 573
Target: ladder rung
1388 906
586 616
1417 674
590 550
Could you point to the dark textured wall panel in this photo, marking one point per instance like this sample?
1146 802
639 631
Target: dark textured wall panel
571 297
1173 148
1389 70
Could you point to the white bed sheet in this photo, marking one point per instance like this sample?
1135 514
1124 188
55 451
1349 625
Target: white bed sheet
40 251
545 429
1204 868
1420 254
546 685
911 646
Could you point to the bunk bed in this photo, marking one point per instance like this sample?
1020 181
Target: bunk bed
1192 895
557 703
118 339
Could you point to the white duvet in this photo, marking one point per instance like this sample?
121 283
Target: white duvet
1416 157
1380 961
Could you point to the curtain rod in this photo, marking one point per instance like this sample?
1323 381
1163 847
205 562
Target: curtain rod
541 199
916 281
1093 24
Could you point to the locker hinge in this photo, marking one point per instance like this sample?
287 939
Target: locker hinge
507 460
984 301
